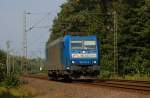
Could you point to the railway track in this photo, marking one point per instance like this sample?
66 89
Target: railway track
124 84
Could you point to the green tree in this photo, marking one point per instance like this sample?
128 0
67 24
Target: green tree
94 17
2 64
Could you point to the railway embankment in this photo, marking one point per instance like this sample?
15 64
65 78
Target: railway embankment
42 88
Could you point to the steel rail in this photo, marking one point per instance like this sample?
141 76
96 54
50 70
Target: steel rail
124 84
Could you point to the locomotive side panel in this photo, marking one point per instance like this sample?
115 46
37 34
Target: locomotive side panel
55 55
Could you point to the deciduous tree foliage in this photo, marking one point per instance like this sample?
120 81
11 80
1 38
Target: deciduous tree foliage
2 64
94 17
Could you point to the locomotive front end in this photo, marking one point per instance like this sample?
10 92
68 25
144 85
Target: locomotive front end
84 55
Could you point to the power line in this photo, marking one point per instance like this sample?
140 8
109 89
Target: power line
25 30
39 21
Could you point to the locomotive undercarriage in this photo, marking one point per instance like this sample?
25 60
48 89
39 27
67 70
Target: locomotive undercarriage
74 73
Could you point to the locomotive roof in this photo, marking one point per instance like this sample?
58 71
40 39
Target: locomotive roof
83 37
55 41
67 37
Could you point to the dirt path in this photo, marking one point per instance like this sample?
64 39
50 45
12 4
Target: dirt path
50 89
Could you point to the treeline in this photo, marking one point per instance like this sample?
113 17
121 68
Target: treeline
2 64
9 76
95 17
18 65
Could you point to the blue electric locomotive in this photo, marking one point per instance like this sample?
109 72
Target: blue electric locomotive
73 56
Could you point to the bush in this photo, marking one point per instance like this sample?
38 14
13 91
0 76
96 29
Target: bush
105 74
11 80
2 71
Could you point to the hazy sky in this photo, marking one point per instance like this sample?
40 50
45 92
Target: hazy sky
11 23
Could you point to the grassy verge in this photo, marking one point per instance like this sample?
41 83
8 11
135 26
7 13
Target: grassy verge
137 77
8 96
16 92
13 87
125 77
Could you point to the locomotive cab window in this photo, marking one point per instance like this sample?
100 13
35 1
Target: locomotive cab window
76 45
84 45
90 45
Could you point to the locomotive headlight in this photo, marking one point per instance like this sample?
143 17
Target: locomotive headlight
68 68
83 51
94 62
72 62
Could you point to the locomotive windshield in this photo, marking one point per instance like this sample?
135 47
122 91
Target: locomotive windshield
76 45
85 45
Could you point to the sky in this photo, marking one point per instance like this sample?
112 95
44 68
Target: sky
11 24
